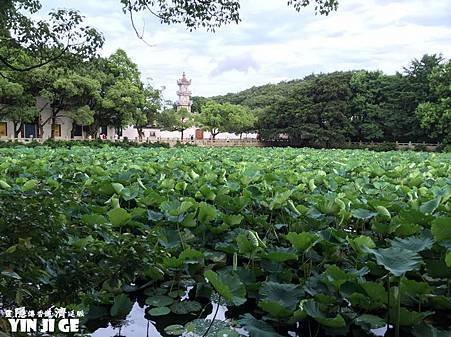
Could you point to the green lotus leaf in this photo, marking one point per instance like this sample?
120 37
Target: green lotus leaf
228 285
335 276
413 288
414 244
361 242
4 185
281 254
29 185
185 307
381 210
363 214
257 328
207 213
280 299
302 241
93 219
174 330
328 320
368 322
190 255
159 301
159 311
117 187
397 260
118 216
407 317
426 330
441 229
448 258
121 306
233 220
430 206
208 193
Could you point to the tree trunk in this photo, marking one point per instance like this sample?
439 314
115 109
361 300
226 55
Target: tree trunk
16 129
72 130
182 135
241 135
52 129
41 130
140 133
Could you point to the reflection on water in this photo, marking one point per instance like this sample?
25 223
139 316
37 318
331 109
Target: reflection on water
137 325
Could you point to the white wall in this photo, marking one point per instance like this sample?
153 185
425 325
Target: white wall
65 122
132 134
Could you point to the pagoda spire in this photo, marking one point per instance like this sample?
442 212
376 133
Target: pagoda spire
184 93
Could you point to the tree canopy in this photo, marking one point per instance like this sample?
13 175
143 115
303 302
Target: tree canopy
209 14
327 109
27 43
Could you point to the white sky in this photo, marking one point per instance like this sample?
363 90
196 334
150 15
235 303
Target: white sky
274 42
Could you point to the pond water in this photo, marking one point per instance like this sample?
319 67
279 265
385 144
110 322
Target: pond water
138 324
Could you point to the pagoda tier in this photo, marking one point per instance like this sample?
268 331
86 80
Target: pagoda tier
183 93
183 80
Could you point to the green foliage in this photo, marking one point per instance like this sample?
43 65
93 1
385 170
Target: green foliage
175 120
435 115
228 285
28 41
210 14
216 117
328 110
295 237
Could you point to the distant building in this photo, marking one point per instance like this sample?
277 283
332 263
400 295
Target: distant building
184 94
184 101
63 128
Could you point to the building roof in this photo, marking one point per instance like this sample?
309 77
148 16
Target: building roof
183 80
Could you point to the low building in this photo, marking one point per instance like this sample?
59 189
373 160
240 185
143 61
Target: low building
63 128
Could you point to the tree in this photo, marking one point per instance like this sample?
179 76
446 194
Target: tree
209 14
418 72
366 113
28 43
148 113
316 112
239 119
67 93
213 118
16 104
121 98
435 115
175 120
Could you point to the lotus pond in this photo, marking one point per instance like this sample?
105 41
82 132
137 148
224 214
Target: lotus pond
229 242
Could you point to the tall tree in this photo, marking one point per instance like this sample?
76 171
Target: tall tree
66 93
239 119
16 102
28 42
175 120
209 14
213 118
435 115
148 113
366 113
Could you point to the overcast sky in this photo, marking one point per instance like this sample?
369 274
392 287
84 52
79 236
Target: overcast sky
274 42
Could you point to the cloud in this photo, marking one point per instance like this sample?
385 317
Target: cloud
240 63
274 42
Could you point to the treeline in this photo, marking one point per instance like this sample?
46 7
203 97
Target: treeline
369 106
93 92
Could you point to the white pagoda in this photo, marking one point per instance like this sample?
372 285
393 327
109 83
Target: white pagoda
184 93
